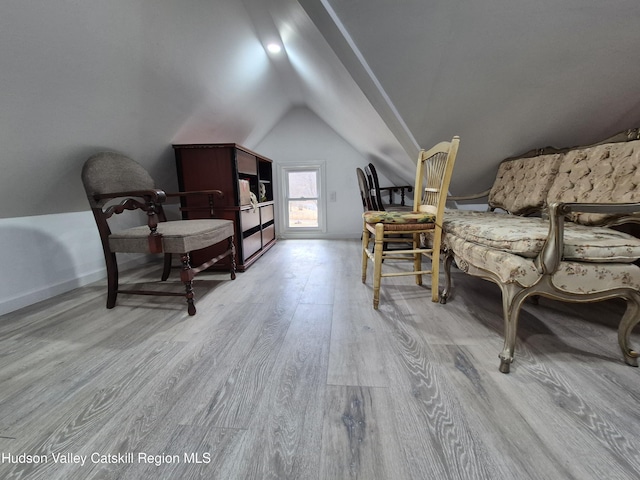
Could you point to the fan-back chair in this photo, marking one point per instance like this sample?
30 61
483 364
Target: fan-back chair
109 177
433 174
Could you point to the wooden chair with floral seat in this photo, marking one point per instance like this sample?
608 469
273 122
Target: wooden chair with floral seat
424 223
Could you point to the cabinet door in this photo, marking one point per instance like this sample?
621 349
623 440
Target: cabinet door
207 169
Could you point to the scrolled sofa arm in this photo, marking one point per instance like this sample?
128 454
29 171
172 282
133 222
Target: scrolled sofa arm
550 256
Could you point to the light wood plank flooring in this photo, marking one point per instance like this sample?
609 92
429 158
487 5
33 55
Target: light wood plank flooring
288 372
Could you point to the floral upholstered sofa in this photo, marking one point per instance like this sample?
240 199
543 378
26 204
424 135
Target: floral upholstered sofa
548 232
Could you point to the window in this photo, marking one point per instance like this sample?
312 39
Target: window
303 199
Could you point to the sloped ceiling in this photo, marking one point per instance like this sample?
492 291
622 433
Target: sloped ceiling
388 76
79 77
505 75
316 77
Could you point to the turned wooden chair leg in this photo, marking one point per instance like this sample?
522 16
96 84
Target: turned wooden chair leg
112 279
365 257
232 246
377 264
186 275
167 266
417 258
435 268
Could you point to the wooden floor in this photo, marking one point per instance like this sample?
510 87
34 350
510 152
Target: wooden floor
288 372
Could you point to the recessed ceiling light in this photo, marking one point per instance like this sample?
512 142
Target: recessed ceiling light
274 48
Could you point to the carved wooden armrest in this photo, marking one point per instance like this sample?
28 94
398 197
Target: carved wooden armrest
209 193
153 196
548 261
218 193
150 204
472 196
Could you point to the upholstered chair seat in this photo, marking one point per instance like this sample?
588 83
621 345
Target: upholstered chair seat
177 237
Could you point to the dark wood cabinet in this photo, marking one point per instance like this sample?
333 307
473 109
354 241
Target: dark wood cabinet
235 171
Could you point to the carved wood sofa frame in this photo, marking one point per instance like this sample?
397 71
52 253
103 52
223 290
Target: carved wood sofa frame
568 253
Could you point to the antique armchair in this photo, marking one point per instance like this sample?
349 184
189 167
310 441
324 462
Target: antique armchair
115 183
433 174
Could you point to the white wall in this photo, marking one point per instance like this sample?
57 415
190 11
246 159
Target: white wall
45 255
302 137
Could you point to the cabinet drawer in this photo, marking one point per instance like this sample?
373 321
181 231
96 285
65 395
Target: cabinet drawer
247 164
266 214
249 219
251 245
268 234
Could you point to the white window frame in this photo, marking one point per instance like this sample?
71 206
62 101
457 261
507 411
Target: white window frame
283 175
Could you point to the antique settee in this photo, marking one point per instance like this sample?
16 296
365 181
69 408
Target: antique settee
549 233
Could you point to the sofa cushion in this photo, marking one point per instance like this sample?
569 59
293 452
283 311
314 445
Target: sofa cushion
571 277
507 267
606 173
525 236
522 184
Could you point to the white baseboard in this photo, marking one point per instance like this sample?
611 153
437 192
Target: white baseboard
49 291
319 236
47 255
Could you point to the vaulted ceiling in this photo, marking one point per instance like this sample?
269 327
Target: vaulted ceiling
505 75
388 76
